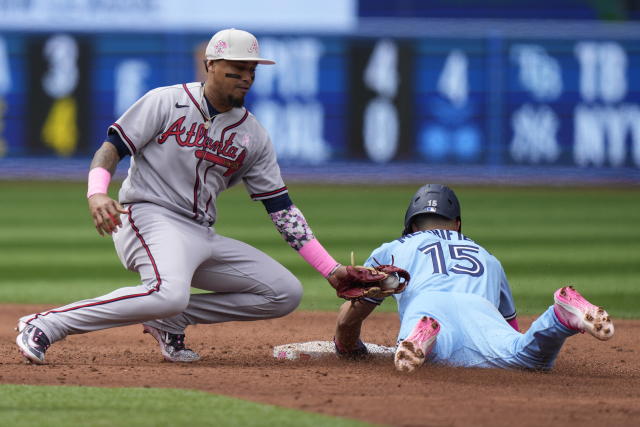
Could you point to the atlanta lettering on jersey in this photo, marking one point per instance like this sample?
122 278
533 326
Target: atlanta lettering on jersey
221 153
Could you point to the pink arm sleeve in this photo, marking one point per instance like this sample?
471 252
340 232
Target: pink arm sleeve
294 229
318 257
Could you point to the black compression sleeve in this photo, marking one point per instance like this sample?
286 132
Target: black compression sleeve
115 139
277 203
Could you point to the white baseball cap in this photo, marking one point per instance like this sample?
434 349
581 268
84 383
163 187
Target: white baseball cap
235 45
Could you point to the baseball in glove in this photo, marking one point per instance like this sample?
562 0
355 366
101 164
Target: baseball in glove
374 282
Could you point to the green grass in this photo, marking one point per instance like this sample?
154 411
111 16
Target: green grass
88 406
51 254
544 237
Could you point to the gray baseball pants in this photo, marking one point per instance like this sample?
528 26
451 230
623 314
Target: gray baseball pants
172 253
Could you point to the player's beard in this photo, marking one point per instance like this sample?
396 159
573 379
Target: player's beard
235 102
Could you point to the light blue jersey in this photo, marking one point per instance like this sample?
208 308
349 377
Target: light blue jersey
464 287
447 261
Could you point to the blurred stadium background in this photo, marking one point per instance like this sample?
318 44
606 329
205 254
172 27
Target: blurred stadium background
528 91
497 94
529 108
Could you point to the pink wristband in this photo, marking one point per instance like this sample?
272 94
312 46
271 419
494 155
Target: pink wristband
99 179
514 324
318 257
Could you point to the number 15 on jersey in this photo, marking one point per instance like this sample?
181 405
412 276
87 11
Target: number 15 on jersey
469 264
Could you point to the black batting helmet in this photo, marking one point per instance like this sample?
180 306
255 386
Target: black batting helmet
432 198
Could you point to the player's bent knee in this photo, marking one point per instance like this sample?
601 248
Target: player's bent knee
289 297
170 302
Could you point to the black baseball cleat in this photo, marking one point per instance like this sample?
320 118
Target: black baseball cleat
33 344
171 345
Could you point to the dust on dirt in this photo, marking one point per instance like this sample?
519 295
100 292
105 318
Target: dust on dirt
593 383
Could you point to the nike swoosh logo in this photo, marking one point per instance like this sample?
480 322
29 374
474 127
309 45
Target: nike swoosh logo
181 106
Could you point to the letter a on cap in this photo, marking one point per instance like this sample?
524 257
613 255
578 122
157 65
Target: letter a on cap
235 45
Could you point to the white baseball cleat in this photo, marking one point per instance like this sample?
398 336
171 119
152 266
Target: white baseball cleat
33 344
413 350
575 312
171 345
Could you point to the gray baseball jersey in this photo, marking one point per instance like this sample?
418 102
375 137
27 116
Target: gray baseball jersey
181 160
181 163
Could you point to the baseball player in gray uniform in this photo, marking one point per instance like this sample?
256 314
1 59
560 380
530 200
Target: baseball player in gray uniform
187 143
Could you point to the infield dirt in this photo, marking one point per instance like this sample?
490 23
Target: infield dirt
593 384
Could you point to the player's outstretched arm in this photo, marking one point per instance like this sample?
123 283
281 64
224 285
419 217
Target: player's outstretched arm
104 210
293 227
348 327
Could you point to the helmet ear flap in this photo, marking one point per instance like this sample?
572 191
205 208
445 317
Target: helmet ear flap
410 214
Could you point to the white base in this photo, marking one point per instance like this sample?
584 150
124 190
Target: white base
317 349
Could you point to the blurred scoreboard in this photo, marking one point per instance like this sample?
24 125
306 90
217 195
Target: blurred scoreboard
478 101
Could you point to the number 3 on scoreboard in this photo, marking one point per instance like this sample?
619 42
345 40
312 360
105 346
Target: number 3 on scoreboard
457 252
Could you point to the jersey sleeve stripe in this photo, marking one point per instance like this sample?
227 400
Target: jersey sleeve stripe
269 194
124 136
511 316
114 138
